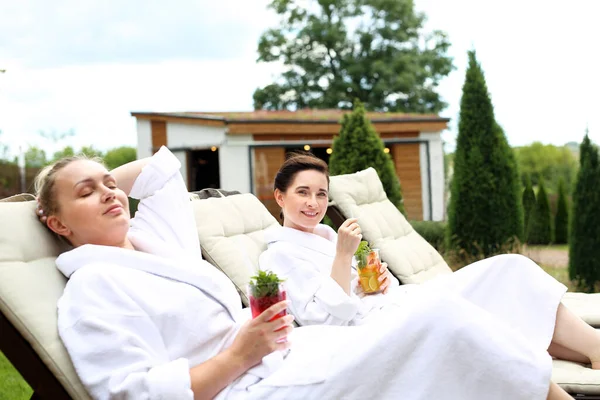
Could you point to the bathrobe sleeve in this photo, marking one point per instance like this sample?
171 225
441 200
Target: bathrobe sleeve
115 346
165 209
316 299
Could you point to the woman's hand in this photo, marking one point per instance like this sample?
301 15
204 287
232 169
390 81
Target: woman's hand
384 278
349 237
261 336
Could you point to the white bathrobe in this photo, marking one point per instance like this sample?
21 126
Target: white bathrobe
511 288
304 260
134 322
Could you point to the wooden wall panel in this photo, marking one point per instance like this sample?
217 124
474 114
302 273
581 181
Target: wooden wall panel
159 134
408 168
267 161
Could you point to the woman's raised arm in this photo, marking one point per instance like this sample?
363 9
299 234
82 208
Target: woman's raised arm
126 174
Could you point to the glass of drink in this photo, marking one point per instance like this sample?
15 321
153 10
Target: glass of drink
367 266
264 290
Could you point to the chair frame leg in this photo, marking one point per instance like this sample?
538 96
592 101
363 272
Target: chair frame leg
22 356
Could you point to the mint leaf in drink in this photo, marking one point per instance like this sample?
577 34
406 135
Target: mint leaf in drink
264 284
361 253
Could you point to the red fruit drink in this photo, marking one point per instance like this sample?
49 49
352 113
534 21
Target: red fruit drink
263 296
261 304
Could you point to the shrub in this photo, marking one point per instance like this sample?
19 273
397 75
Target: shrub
432 231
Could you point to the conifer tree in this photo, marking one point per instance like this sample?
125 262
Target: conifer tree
528 204
561 221
358 147
540 228
584 241
486 210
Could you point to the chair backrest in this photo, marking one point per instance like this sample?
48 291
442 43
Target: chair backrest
410 257
30 286
231 233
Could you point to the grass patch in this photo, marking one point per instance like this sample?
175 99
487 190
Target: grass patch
564 247
12 385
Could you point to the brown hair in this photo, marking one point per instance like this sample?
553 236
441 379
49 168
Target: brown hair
46 179
298 162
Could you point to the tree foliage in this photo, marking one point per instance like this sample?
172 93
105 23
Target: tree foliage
485 212
561 220
335 51
119 156
548 162
528 204
358 147
540 226
584 241
35 157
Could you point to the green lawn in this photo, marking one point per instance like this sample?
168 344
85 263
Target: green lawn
549 246
12 386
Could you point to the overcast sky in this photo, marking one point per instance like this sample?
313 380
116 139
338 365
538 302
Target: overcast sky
85 65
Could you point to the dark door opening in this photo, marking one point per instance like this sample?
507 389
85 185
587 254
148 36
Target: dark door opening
204 169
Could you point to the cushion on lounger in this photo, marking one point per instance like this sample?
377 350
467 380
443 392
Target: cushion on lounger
230 230
30 286
409 256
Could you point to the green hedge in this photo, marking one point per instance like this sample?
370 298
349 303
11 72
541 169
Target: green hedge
432 231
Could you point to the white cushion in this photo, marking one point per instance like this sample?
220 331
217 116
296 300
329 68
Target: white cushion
585 305
230 230
30 286
576 378
410 257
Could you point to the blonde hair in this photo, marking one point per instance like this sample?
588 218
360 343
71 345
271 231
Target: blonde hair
46 179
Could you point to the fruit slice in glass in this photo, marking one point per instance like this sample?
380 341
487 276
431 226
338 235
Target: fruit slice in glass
264 295
367 267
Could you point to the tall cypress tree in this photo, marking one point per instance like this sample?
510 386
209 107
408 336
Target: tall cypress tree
540 228
528 204
584 242
358 146
561 220
485 210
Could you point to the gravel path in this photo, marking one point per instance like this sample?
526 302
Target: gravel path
547 255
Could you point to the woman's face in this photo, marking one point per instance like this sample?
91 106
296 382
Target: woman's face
92 210
304 203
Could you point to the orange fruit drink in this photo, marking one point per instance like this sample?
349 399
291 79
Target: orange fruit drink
367 266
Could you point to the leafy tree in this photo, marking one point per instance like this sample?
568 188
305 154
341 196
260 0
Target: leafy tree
35 157
584 241
548 162
119 156
91 152
68 151
540 228
358 147
486 211
561 221
335 51
528 204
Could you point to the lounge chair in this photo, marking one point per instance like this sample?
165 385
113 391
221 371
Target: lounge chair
412 260
230 230
30 284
